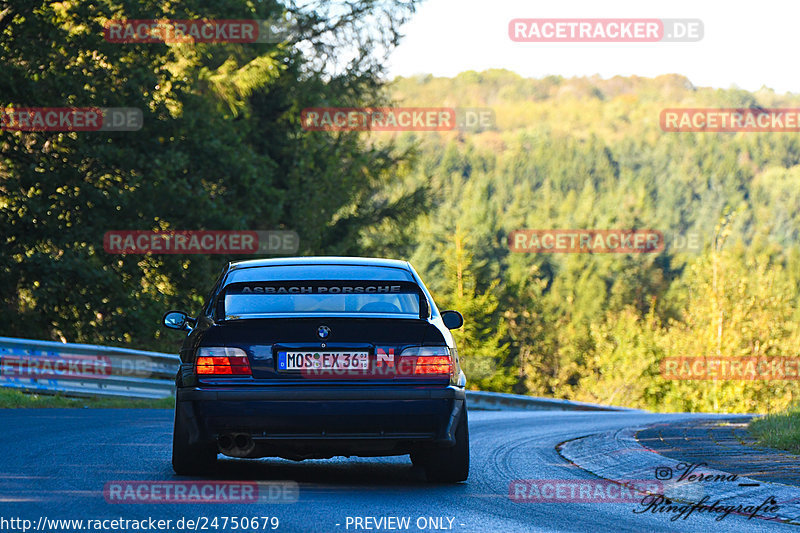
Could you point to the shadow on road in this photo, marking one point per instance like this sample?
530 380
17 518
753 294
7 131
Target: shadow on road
352 472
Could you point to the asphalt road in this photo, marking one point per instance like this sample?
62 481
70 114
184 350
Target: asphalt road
56 464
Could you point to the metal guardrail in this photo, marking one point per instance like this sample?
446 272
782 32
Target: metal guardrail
86 370
497 401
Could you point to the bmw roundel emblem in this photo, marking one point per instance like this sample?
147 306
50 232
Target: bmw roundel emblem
323 332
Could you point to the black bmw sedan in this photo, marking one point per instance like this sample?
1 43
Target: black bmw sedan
316 357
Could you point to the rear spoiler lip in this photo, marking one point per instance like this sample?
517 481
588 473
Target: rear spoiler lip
403 287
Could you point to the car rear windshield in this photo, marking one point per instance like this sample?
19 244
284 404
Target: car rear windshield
242 305
328 297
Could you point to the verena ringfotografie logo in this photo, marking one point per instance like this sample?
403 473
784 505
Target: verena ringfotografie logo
201 492
581 490
396 118
731 120
71 119
194 31
201 242
606 30
659 504
730 368
564 241
691 473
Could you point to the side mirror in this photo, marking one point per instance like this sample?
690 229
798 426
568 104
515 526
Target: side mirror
178 320
452 319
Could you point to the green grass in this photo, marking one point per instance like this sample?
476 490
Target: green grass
779 430
11 399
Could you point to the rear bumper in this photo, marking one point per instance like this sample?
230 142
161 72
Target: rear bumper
318 393
324 421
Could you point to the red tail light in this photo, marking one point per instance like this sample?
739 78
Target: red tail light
425 360
222 362
433 364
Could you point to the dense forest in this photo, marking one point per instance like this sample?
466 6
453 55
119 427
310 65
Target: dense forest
222 148
589 153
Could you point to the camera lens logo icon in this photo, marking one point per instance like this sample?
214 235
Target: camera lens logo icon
663 473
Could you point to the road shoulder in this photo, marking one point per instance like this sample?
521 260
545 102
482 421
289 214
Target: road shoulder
617 455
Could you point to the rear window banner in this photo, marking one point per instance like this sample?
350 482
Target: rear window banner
323 296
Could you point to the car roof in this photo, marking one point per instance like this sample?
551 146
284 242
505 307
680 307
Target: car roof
322 260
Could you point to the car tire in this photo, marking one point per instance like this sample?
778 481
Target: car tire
190 459
447 465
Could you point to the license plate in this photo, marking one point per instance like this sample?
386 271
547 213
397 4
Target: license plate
323 360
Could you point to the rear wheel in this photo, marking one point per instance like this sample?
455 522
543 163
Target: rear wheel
448 465
190 459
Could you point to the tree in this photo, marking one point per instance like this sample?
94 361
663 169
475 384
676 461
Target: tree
481 341
221 148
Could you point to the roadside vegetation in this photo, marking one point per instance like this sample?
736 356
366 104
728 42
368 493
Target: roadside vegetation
779 430
10 399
